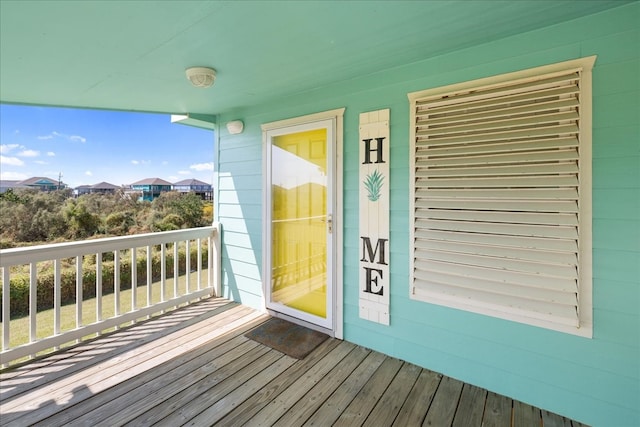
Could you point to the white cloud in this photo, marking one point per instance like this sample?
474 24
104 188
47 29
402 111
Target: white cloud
51 154
88 173
184 172
11 161
77 138
16 176
165 163
5 148
28 153
72 138
41 162
202 167
135 162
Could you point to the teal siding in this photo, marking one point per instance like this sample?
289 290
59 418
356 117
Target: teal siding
596 381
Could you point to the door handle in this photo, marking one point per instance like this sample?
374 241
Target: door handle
329 223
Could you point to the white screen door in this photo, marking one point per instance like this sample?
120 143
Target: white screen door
299 221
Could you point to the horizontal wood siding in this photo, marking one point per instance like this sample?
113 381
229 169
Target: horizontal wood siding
592 380
238 201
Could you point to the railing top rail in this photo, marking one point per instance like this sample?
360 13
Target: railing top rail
17 256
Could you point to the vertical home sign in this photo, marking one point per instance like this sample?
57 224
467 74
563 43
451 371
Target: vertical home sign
374 216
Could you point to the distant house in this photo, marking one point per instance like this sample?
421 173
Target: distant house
101 188
41 183
151 187
200 188
7 184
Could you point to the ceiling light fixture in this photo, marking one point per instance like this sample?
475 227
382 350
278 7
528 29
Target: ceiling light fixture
201 76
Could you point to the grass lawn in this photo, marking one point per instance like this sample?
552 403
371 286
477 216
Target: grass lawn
19 328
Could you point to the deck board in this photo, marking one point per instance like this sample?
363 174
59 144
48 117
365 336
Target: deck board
194 366
358 410
497 411
389 405
312 400
444 404
470 407
289 397
332 408
243 411
417 403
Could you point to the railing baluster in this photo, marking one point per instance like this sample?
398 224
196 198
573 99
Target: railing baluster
79 296
187 268
199 268
149 274
57 295
134 279
116 281
6 308
98 286
176 265
163 272
33 301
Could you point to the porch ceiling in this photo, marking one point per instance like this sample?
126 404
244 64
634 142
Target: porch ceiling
132 55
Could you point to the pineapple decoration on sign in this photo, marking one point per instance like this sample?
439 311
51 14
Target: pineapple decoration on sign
373 184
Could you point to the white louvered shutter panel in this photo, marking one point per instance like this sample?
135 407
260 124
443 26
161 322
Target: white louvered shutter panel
497 198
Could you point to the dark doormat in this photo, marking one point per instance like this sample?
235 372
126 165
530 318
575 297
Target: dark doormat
291 339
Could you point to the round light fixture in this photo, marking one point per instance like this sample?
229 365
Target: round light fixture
235 127
201 76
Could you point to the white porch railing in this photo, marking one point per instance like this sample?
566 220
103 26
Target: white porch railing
132 246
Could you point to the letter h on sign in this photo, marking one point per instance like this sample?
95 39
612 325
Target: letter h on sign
368 150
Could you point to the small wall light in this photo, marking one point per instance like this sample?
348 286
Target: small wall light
235 127
201 76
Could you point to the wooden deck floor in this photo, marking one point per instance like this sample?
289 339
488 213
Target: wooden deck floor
194 367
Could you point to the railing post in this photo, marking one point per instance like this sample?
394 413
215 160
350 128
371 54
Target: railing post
217 260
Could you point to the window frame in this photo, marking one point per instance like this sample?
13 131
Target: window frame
584 239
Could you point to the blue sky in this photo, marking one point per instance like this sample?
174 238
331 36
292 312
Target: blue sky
91 146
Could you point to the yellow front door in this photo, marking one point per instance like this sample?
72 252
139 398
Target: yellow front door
300 223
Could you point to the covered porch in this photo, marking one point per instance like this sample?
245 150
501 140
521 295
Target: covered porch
283 61
194 366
